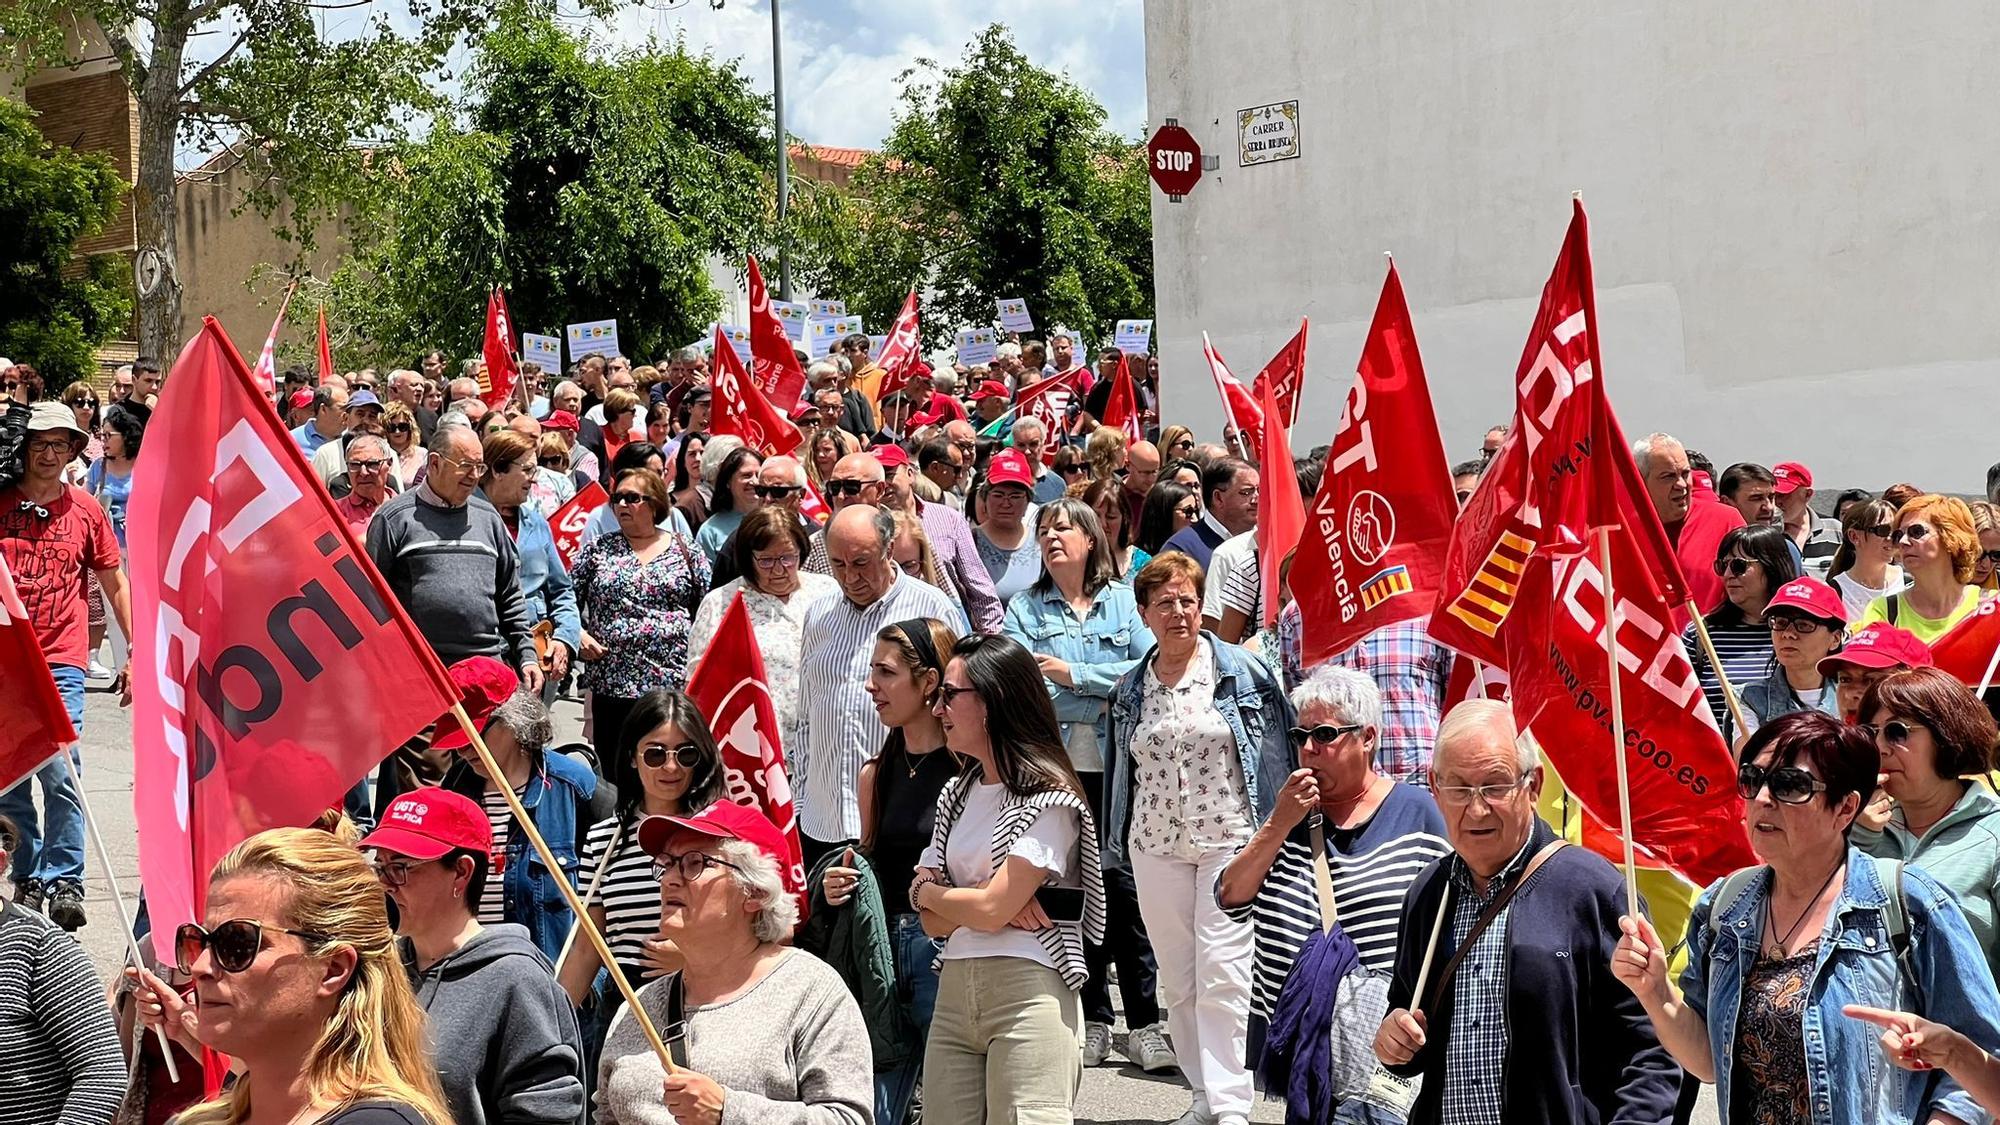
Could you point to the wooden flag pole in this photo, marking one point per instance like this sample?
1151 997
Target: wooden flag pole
1715 662
583 922
1618 723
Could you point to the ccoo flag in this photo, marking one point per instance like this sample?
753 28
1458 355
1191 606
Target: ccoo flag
272 668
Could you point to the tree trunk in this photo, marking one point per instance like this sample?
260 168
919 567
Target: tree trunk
156 270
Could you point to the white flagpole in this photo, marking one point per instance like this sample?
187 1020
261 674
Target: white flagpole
1618 724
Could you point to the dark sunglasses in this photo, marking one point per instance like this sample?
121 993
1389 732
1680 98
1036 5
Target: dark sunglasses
1914 533
1788 784
1325 734
1735 567
555 462
845 487
655 755
775 491
628 498
399 428
1803 626
1988 558
1894 731
235 943
1880 530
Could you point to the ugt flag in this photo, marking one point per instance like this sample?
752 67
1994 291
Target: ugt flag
502 370
34 724
899 350
1121 410
773 364
1239 406
728 686
1285 375
740 408
271 667
570 522
1048 400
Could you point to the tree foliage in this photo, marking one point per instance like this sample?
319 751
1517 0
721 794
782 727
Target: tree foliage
52 314
589 186
998 180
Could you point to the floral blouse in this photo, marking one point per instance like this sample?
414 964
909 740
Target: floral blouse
1772 1087
780 630
640 613
1188 795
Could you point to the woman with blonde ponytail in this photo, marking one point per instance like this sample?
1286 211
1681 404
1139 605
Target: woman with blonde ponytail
296 977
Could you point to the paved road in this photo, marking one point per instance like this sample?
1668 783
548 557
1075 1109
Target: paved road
1111 1095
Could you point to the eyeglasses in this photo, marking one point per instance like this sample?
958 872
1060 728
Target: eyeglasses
45 446
1914 533
1184 443
1325 734
626 499
557 462
465 468
234 943
400 428
1488 795
1068 469
775 491
1189 511
691 865
948 693
775 562
912 567
1988 559
395 872
1733 567
372 465
654 754
1175 605
845 487
1802 626
1788 784
1895 732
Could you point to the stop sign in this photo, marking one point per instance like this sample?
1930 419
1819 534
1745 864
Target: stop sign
1173 159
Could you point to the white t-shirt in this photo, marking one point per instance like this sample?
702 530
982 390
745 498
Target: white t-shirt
596 414
1856 597
1049 843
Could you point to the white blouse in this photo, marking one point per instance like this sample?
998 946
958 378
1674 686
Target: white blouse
779 625
1188 794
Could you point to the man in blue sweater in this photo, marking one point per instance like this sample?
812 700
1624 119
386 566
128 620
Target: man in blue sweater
1530 1024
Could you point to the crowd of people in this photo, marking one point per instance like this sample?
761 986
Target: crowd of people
1041 745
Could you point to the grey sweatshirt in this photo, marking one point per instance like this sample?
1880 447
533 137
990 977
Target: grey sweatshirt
502 1031
457 573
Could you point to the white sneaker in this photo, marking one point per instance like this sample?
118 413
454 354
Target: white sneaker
1096 1043
99 672
1147 1048
1195 1115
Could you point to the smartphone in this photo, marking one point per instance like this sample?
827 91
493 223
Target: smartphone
1061 904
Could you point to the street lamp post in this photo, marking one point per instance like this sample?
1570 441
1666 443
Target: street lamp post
784 154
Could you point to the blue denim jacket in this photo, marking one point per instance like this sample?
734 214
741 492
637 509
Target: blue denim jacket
1851 1080
555 798
1099 649
545 581
1250 700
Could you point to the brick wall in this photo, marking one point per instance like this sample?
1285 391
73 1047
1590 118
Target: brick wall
95 113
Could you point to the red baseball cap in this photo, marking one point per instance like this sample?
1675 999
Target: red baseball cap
992 388
429 823
1790 476
562 420
724 820
1010 466
1811 595
891 456
1878 645
483 684
301 399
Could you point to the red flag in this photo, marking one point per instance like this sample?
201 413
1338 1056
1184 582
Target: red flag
740 408
570 521
266 375
34 724
1968 647
503 373
1285 374
1528 553
1121 410
901 348
325 349
1374 553
728 685
1048 400
1283 514
813 505
273 668
1239 406
772 360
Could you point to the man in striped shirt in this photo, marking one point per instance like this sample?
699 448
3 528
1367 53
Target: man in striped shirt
838 728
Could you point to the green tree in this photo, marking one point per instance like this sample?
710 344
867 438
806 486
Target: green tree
55 311
998 180
589 186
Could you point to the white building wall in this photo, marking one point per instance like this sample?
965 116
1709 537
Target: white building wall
1795 212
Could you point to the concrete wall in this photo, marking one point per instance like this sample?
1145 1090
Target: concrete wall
1793 216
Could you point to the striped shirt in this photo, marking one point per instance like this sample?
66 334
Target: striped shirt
493 902
1476 1055
63 1062
628 893
1234 581
1413 672
1746 655
838 728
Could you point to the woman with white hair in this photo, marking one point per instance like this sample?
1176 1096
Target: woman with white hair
766 1032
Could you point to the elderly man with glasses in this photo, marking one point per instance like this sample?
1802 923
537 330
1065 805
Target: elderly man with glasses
368 471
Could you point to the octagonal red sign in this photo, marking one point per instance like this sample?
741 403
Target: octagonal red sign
1173 159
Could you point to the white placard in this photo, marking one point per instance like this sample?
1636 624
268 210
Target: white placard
1014 315
875 346
823 335
738 336
1134 336
544 350
792 314
1266 133
976 346
592 336
827 310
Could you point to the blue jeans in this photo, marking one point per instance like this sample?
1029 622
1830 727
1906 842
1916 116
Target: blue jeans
915 978
57 853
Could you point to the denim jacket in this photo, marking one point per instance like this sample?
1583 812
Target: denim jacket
1850 1079
545 581
1099 649
555 798
1248 697
1772 696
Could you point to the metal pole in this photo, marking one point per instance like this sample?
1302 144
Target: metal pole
784 154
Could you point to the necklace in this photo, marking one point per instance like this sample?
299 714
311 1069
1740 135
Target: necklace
1777 952
914 762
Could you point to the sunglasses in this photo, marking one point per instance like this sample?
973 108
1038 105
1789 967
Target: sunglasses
1880 531
1788 784
1184 443
1896 732
399 428
1915 533
235 943
1736 568
626 499
555 462
949 693
775 491
845 487
655 755
1325 734
1803 626
1988 558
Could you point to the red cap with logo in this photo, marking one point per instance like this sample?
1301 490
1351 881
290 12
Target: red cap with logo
992 388
723 820
1790 476
1010 466
483 684
429 824
1877 645
1810 595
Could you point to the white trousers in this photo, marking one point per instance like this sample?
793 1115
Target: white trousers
1204 981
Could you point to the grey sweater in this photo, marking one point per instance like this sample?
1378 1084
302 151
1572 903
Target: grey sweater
457 574
62 1059
502 1031
791 1051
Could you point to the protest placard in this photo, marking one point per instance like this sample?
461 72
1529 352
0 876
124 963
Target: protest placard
976 346
1134 337
592 337
792 314
738 336
875 346
827 310
543 350
1014 315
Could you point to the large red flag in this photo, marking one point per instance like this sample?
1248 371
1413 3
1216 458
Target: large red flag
266 374
1121 409
1239 406
1283 514
901 348
1048 400
1537 588
1374 552
813 505
325 350
272 668
728 685
34 724
502 371
740 408
1285 375
569 522
773 363
1967 648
